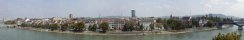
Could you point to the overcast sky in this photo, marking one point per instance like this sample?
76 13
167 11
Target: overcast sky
92 8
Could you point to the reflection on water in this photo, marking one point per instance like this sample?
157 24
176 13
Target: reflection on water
17 34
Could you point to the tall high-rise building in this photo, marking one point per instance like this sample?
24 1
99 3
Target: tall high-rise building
70 15
171 16
133 13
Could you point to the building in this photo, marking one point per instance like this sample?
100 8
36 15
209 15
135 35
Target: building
171 16
133 13
70 16
57 18
145 22
114 23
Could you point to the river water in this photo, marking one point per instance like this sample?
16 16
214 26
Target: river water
19 34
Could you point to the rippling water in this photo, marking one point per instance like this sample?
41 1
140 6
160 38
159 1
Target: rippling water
18 34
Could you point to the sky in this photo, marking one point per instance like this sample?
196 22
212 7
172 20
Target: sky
92 8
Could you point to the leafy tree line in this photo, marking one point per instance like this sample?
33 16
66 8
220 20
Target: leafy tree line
129 26
93 27
177 24
75 27
133 26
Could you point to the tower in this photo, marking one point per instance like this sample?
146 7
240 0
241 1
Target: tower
70 16
133 13
171 16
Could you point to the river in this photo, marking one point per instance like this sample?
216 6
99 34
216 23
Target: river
19 34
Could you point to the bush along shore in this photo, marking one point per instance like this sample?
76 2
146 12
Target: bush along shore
228 36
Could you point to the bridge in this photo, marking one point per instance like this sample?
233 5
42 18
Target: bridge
240 24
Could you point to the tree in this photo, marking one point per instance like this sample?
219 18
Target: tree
36 25
141 27
228 36
159 20
210 24
195 22
216 19
158 25
10 22
174 24
94 27
126 27
45 26
24 24
90 27
152 26
80 26
104 26
64 26
129 26
53 26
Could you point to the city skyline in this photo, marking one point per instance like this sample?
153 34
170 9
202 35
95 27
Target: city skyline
93 8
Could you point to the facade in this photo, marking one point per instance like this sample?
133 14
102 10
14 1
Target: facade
145 22
114 23
57 18
70 16
133 13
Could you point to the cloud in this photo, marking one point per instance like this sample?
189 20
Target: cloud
241 1
236 8
214 1
91 8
